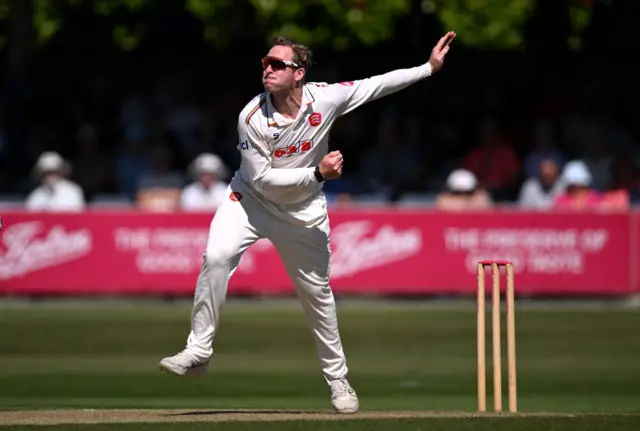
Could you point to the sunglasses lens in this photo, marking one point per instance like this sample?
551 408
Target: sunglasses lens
274 63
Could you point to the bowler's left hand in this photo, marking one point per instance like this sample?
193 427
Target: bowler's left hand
440 50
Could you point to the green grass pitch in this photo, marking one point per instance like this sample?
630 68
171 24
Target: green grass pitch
414 368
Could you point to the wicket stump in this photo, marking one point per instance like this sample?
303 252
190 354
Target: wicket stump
511 336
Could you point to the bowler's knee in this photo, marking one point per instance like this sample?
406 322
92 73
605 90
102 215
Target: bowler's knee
220 255
316 288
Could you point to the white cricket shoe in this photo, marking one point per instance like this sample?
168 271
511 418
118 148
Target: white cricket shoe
343 397
183 364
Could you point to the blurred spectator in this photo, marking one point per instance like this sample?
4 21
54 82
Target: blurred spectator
392 149
209 189
579 195
615 200
494 162
342 186
390 162
3 148
185 122
540 191
339 199
90 166
543 149
134 115
132 162
625 173
5 176
160 188
597 160
55 192
462 193
412 135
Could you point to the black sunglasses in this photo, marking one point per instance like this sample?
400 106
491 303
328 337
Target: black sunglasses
278 63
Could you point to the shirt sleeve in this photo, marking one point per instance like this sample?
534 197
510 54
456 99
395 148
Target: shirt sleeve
256 163
352 94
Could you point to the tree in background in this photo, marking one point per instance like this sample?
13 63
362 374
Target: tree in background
494 24
500 24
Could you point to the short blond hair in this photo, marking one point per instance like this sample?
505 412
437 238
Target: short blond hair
301 53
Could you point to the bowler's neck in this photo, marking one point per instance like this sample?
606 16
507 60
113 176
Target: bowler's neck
288 104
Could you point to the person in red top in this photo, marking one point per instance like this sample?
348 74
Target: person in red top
494 162
579 194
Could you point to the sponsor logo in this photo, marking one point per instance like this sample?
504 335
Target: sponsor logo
297 148
359 246
30 246
235 196
176 251
244 145
315 119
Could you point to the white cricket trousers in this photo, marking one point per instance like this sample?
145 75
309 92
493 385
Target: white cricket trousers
305 253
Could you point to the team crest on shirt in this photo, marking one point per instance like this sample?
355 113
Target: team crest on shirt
315 119
299 147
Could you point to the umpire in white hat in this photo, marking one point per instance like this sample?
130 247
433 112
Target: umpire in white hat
55 192
209 188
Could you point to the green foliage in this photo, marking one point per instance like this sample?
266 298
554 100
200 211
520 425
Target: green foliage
222 20
499 23
46 19
106 7
336 23
483 23
127 37
49 16
318 22
367 21
580 14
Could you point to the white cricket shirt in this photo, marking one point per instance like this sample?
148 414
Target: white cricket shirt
62 196
279 155
195 197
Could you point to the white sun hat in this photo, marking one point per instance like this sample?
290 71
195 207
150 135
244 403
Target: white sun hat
461 180
209 163
577 173
51 161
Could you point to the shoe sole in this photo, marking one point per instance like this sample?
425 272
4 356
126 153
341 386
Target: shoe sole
197 371
345 412
168 371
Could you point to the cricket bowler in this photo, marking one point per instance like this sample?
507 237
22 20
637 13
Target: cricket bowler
277 194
